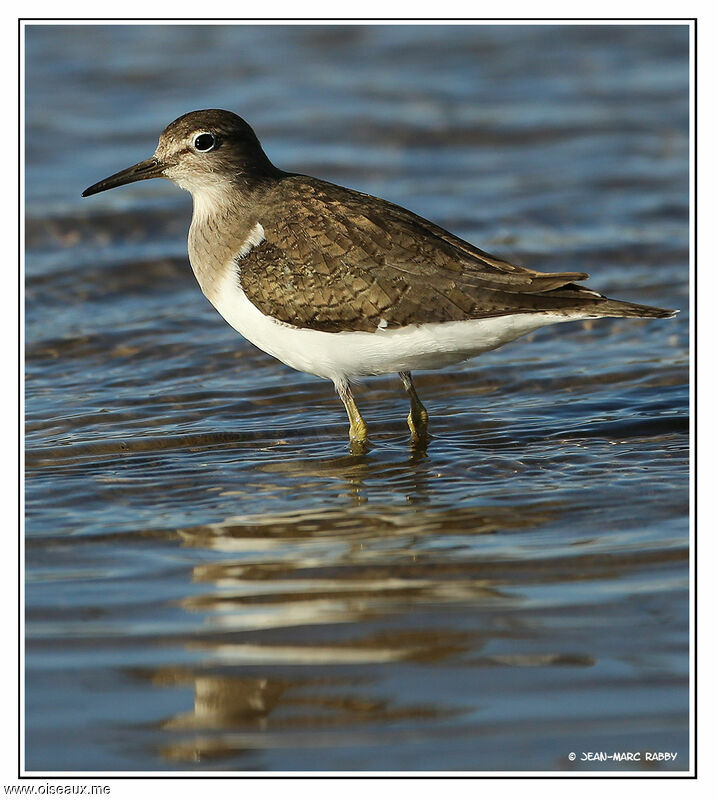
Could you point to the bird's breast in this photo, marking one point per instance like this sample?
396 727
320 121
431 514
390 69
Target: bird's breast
215 243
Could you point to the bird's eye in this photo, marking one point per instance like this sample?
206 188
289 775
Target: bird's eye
204 142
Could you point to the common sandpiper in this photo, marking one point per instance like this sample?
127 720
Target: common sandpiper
341 284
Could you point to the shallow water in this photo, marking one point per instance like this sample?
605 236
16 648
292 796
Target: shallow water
214 582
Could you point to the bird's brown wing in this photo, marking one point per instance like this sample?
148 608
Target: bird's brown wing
337 260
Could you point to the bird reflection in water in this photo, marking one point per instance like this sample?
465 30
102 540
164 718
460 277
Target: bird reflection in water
305 609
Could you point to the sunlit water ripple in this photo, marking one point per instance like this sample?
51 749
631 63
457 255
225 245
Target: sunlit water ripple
213 580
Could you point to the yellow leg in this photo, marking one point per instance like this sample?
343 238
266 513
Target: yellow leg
418 418
357 427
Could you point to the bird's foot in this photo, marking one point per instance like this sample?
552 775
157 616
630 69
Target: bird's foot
358 435
418 420
359 447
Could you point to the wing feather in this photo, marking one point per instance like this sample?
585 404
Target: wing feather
338 260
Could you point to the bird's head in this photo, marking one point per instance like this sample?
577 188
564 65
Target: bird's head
203 151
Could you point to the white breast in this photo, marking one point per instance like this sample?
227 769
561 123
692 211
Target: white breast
355 353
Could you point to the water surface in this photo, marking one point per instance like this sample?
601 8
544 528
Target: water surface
214 582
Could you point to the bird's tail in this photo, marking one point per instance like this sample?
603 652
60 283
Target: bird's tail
618 308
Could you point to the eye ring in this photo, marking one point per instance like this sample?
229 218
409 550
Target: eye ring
204 142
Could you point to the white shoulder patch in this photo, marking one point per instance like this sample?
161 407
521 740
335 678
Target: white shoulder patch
254 239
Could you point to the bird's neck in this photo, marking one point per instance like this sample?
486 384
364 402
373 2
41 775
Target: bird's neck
222 220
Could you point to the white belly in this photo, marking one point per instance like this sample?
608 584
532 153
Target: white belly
352 354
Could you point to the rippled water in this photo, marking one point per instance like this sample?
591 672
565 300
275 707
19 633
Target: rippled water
214 581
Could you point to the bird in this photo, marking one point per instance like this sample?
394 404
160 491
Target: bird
341 284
